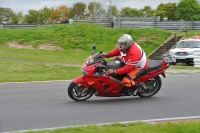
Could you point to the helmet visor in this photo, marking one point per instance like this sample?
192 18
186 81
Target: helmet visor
122 44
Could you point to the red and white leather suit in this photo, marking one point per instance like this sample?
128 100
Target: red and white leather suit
134 58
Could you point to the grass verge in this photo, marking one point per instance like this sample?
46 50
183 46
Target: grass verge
183 66
23 64
138 127
14 71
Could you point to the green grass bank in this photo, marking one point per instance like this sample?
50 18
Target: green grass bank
43 53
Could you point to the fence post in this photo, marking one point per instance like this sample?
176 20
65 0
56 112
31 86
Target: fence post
196 60
175 38
191 25
119 21
111 22
187 29
1 26
154 22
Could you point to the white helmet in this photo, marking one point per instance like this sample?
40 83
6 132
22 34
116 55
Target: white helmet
125 39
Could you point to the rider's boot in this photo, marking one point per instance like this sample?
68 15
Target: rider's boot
134 89
130 90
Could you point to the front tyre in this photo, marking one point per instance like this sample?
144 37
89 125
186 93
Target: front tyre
78 92
152 87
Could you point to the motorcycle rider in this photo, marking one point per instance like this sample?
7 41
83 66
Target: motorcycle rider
134 58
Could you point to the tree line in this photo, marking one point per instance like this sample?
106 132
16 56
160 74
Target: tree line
184 10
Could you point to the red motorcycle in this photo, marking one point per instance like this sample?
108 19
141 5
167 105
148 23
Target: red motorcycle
94 79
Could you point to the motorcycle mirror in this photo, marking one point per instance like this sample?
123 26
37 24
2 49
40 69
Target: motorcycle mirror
93 48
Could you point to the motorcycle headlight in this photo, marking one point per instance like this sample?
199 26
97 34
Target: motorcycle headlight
84 72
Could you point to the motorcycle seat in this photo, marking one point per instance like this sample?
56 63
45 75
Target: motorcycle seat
153 64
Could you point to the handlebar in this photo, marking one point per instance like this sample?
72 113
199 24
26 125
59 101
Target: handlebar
102 66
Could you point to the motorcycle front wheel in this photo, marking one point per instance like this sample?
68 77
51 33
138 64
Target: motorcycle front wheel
152 87
78 92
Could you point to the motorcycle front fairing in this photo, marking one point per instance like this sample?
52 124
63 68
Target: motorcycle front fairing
88 69
97 79
93 70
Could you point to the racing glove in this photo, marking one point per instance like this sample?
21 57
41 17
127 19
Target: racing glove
104 55
110 71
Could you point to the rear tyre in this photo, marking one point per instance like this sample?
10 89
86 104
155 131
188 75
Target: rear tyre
78 92
153 86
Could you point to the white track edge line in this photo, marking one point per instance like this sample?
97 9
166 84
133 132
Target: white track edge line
34 82
125 122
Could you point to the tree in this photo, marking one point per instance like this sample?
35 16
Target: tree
44 15
17 18
59 14
147 11
38 16
99 11
114 11
78 10
130 12
188 10
32 17
5 15
168 10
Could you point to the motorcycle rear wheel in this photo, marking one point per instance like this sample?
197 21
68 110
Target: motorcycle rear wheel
78 92
153 86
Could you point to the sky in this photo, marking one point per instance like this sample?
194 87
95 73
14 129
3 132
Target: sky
25 5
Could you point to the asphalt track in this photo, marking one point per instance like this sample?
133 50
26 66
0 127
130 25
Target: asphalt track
39 105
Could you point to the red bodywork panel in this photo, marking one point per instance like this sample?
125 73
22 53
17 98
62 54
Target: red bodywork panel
153 73
103 85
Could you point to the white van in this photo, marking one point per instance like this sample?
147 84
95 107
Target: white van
183 51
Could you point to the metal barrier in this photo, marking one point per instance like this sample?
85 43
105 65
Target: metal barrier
127 22
196 59
23 25
153 22
134 22
106 22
